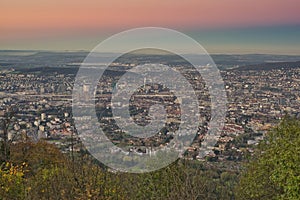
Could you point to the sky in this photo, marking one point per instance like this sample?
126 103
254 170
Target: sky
221 26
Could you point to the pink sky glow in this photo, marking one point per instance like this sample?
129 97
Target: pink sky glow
33 17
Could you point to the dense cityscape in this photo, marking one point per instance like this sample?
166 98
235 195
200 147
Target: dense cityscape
257 100
150 100
41 141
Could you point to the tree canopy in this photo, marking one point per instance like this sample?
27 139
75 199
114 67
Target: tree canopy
274 171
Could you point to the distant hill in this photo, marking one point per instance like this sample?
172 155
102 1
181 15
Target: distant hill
35 59
270 66
49 70
67 70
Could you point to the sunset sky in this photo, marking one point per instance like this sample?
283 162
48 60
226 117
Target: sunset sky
221 26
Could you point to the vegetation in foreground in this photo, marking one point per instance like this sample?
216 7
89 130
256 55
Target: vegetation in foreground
274 171
40 171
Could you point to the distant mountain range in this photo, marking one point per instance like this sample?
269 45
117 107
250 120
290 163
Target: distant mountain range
270 66
42 60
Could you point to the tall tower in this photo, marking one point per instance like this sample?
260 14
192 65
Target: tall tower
145 82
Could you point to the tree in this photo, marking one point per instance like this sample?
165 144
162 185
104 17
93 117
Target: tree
274 172
38 155
12 181
6 121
